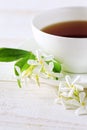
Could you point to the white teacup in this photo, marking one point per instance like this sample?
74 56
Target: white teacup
71 52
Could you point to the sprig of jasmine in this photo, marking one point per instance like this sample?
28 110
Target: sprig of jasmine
32 65
72 95
36 65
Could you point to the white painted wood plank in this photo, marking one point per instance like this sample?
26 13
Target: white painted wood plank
33 108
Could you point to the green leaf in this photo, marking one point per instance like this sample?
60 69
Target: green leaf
10 54
57 66
22 63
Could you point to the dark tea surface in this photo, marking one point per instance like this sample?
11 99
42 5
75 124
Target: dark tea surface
73 29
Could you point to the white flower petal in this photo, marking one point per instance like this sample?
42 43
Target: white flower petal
64 89
64 94
81 111
38 54
32 62
71 93
37 70
68 80
79 87
76 79
82 96
48 58
67 105
46 66
43 75
51 65
73 102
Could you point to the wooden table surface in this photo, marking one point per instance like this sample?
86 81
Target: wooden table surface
29 108
33 108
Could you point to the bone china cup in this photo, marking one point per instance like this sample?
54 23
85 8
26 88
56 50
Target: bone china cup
71 52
